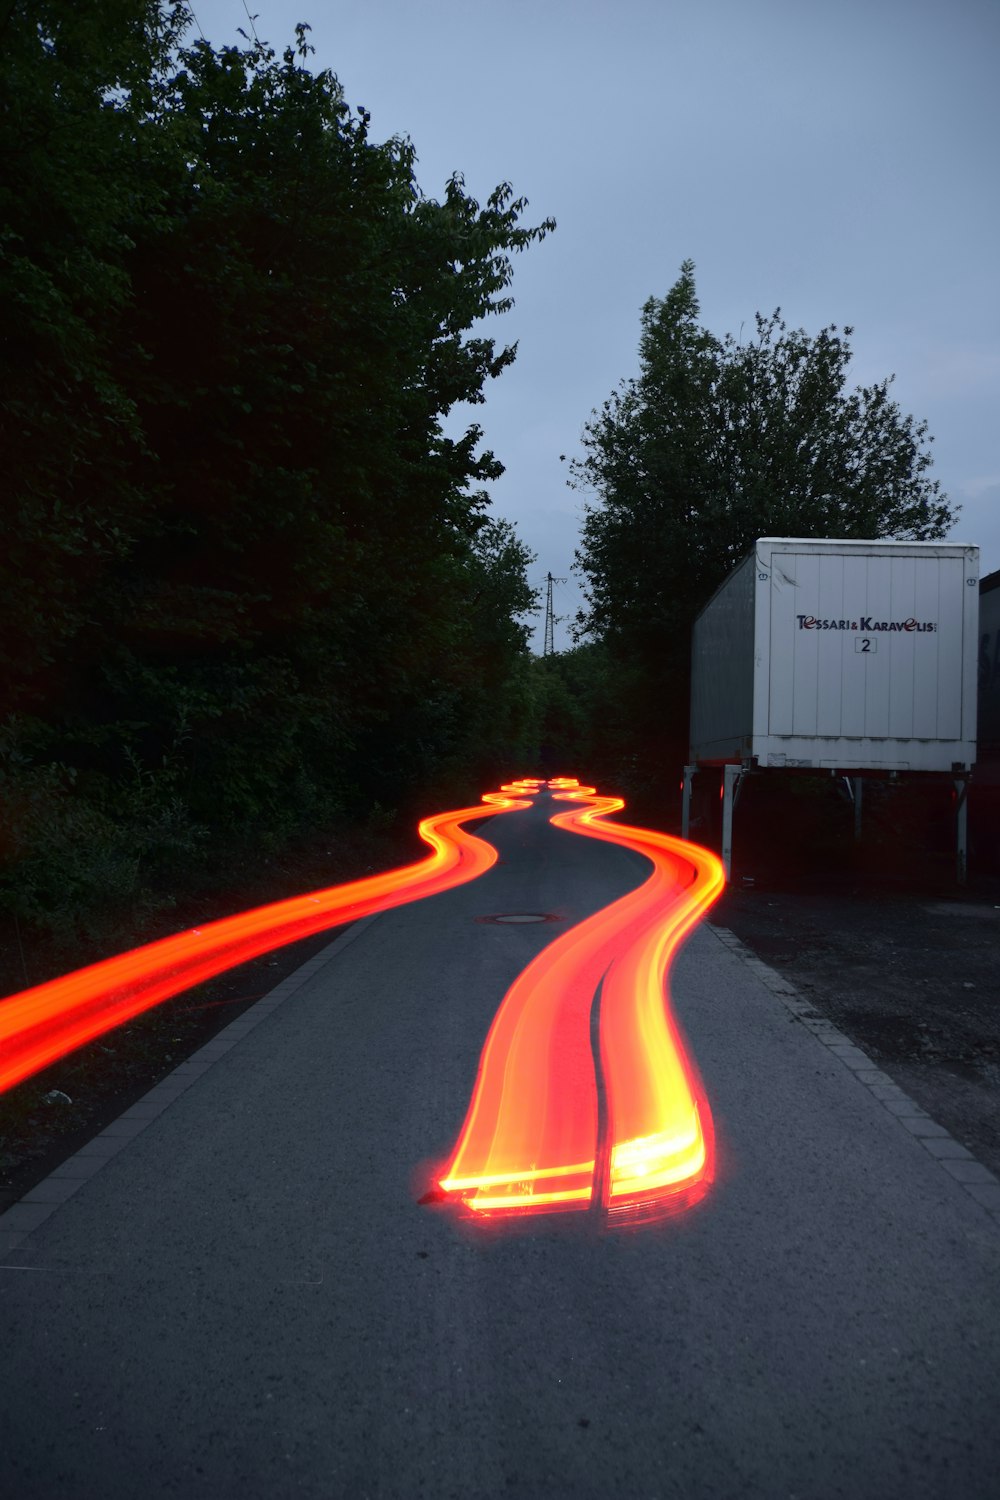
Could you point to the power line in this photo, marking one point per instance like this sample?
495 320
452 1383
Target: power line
251 19
197 22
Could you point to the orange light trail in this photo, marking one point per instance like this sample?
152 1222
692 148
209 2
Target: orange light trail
41 1024
532 1140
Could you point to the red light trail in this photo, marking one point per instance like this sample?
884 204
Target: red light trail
42 1024
531 1140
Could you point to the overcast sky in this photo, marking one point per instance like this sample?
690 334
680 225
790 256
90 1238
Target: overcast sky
836 158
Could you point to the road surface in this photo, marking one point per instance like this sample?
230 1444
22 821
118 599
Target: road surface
247 1299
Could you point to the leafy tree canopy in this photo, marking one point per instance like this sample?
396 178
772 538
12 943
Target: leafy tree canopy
244 567
718 442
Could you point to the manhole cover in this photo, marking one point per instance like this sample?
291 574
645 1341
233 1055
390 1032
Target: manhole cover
509 918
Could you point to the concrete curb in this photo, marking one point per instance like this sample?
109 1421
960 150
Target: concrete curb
31 1211
976 1179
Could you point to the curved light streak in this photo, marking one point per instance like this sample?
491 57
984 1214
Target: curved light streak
660 1125
41 1024
531 1140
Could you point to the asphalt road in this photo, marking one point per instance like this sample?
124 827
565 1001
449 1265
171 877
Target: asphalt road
248 1300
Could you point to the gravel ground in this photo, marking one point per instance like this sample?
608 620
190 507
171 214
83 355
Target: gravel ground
912 976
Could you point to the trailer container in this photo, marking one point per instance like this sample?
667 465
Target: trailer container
840 655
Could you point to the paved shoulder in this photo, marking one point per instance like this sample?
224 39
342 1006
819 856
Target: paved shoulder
248 1299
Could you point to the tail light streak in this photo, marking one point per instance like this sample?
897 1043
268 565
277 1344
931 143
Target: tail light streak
530 1138
43 1023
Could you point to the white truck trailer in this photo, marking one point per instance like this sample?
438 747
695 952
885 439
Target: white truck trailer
843 656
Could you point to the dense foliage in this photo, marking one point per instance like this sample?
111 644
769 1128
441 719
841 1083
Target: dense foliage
716 443
248 581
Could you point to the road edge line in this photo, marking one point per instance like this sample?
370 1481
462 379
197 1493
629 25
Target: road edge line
962 1167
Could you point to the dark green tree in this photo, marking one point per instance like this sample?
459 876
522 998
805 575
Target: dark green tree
577 726
74 86
242 558
304 319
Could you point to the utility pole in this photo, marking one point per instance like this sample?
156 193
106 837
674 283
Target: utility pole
551 618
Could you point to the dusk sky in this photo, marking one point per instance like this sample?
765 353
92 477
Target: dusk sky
838 160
